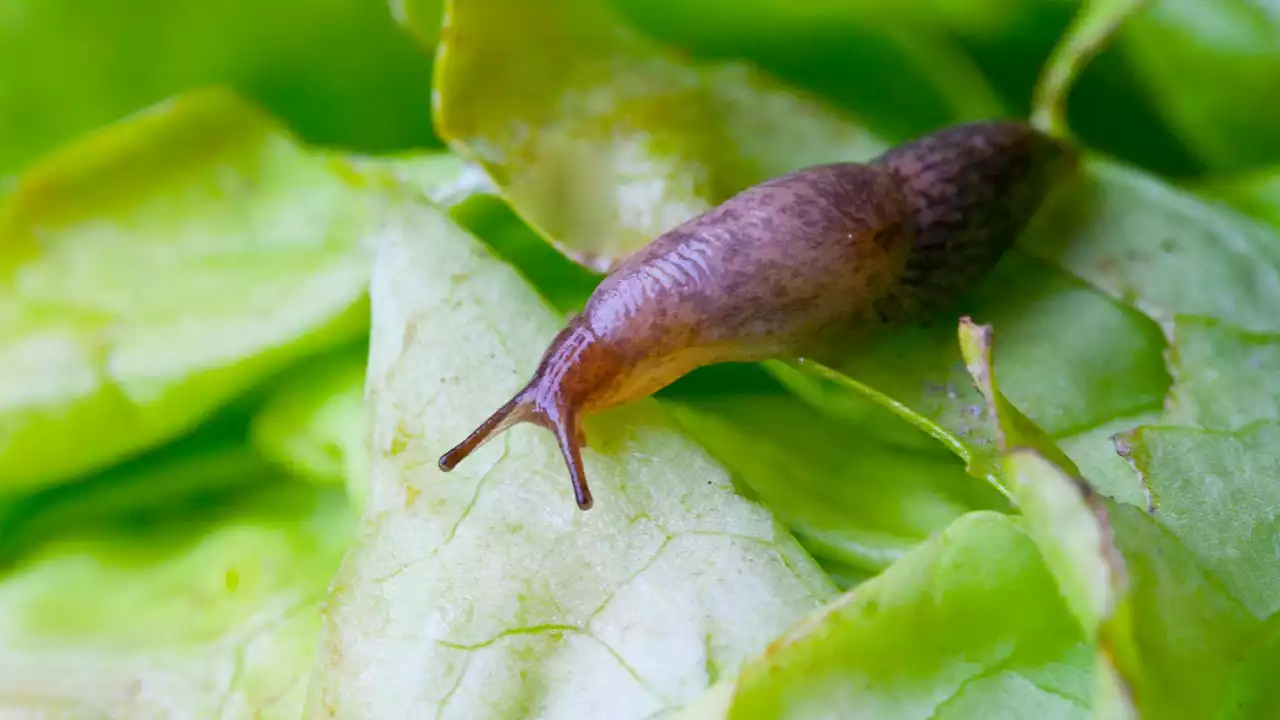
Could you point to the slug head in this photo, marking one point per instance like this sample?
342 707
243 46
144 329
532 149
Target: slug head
555 398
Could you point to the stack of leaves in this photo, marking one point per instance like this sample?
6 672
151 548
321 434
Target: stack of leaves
229 359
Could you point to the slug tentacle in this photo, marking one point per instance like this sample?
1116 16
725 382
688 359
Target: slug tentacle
553 399
516 410
569 436
552 413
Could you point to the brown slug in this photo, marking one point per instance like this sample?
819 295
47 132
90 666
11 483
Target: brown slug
785 266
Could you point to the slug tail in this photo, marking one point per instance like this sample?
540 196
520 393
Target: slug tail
516 410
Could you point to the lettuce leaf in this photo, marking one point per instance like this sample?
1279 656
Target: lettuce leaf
849 497
966 625
313 423
160 268
1181 50
486 591
1163 595
1086 307
337 72
600 139
911 77
204 602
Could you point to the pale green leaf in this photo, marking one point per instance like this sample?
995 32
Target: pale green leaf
161 267
1148 591
313 423
1225 378
966 625
846 496
1161 250
602 140
1217 493
486 591
207 607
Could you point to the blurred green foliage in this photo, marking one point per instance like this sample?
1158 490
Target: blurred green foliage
339 72
192 197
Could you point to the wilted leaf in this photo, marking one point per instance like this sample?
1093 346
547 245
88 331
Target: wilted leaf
486 591
159 268
966 625
600 139
206 606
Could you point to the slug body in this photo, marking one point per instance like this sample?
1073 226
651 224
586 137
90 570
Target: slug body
785 266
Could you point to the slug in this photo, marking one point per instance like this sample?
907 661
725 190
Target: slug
786 266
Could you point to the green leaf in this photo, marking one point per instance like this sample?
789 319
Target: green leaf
206 606
910 78
564 283
1067 386
1162 251
338 72
1169 638
846 496
486 591
1174 638
1225 378
1095 23
1255 194
158 269
1252 692
1079 365
1216 492
600 139
207 463
967 625
313 423
1182 50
